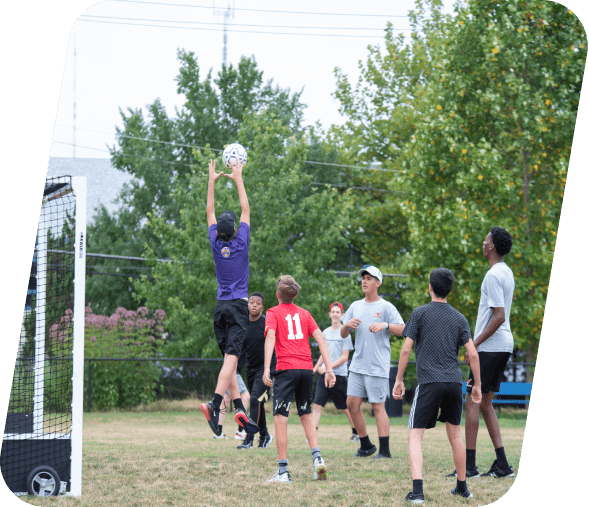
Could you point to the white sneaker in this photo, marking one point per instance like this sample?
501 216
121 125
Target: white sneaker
355 438
221 437
319 469
278 477
240 435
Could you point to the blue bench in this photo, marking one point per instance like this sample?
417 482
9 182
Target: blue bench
510 389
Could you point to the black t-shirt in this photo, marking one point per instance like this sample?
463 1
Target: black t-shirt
438 330
254 346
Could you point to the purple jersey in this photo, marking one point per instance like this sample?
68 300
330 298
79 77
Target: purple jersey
232 264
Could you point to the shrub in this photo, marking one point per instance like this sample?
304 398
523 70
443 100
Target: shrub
125 334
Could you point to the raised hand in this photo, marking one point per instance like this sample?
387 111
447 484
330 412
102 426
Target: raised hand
212 174
236 169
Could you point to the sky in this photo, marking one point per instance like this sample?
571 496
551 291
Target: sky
122 63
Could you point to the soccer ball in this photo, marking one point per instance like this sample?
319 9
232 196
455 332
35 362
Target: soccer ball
232 153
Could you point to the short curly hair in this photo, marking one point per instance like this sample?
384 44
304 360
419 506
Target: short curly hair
287 289
502 240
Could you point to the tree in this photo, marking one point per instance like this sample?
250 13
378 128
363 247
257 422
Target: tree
296 229
494 143
491 123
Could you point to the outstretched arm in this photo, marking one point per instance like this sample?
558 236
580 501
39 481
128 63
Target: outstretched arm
213 176
236 169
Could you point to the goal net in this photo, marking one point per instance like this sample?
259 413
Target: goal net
42 443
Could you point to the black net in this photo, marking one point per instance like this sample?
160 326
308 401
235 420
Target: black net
39 421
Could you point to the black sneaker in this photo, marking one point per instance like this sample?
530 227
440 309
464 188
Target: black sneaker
364 453
470 474
415 498
463 494
247 443
244 420
380 456
212 415
497 472
265 440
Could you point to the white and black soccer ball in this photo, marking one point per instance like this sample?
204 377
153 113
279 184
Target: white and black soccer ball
232 153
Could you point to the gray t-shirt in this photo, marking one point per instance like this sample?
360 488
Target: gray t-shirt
373 350
496 292
337 345
438 330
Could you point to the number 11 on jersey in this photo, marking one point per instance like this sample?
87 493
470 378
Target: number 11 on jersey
297 321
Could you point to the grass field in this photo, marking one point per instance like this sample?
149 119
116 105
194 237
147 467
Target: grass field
154 458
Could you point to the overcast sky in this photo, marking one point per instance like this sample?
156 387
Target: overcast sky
126 55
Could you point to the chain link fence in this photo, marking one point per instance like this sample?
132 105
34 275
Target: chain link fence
120 383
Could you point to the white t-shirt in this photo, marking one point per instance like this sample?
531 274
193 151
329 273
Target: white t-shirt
373 350
496 292
337 345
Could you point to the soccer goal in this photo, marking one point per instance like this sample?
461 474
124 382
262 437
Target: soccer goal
42 443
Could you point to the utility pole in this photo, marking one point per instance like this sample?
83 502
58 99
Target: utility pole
227 13
74 95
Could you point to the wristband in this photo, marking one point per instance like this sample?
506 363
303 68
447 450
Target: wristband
386 326
330 371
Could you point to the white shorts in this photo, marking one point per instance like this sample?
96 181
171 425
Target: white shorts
376 389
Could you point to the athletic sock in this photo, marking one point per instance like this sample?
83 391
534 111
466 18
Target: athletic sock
383 443
460 486
282 466
365 443
238 404
221 428
217 399
354 432
418 486
471 461
501 458
239 428
316 453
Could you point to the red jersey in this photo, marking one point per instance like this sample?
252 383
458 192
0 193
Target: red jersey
293 325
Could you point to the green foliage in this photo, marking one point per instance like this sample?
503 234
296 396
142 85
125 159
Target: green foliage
478 113
296 229
126 334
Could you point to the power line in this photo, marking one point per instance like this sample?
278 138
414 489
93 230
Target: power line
234 31
203 148
269 10
354 166
247 25
370 189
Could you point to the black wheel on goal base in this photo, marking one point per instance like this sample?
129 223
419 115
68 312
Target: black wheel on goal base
43 481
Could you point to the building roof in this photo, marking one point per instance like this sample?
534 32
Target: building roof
104 182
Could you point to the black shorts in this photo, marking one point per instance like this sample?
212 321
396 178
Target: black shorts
492 366
256 386
430 398
289 382
231 319
337 393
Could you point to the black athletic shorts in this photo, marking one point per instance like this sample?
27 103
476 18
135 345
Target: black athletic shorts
256 386
289 382
338 393
231 318
430 398
492 366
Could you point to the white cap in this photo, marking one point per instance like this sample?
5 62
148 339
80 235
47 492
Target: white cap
371 270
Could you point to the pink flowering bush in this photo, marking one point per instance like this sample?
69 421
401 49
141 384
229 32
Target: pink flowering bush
125 334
